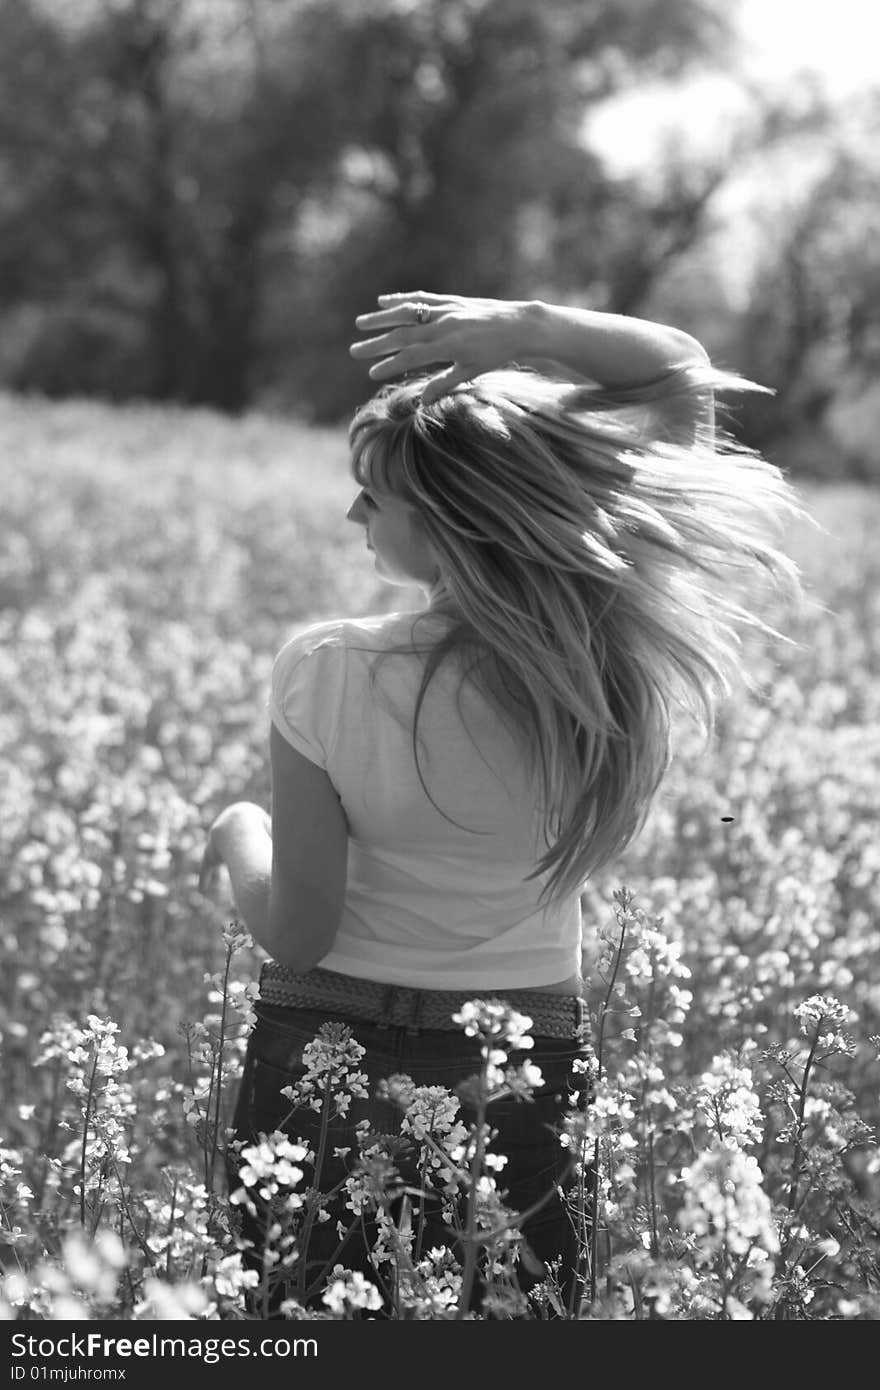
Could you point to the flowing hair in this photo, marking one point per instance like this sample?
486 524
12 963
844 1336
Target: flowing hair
589 544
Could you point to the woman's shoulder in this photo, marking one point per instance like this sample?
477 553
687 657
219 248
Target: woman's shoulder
373 632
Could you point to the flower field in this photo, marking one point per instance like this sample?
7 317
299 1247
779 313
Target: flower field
152 563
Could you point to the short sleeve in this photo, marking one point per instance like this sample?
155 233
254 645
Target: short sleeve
308 692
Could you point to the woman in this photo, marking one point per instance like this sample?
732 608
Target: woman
444 781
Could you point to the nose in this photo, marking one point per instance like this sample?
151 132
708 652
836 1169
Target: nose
355 512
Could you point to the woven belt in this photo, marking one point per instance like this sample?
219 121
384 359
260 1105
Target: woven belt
552 1015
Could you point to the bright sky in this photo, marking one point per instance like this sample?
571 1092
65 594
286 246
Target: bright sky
835 39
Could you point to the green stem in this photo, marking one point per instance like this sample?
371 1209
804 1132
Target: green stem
652 1194
219 1089
582 1235
469 1235
264 1278
85 1143
170 1229
316 1283
51 1127
799 1155
649 1135
600 1047
315 1195
5 1220
423 1178
206 1126
147 1252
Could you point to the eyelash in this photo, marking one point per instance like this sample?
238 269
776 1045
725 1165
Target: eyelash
367 499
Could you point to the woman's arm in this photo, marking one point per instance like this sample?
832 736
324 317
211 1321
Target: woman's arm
481 335
287 872
240 839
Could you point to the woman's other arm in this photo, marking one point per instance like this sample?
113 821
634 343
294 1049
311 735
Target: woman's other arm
287 873
473 336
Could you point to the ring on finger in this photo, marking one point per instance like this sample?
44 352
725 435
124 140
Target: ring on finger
422 312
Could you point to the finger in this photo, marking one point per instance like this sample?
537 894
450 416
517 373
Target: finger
445 382
378 347
429 348
398 296
409 359
400 317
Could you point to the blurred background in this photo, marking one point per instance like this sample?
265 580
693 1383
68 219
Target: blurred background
199 195
196 199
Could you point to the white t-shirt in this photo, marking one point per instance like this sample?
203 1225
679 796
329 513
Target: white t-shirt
430 902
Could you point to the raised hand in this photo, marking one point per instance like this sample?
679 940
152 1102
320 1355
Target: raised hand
419 330
463 337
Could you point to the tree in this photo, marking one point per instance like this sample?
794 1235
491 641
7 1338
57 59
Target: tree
209 190
469 171
167 145
812 324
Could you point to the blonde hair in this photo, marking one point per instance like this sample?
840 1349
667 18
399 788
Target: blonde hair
589 544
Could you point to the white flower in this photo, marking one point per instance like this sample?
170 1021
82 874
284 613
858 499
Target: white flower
726 1096
348 1290
726 1208
487 1018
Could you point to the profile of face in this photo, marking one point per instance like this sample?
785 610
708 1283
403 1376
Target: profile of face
403 553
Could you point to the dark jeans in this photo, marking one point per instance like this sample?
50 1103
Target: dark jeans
527 1131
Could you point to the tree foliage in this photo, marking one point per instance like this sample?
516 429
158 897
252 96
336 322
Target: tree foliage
812 326
204 194
199 195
